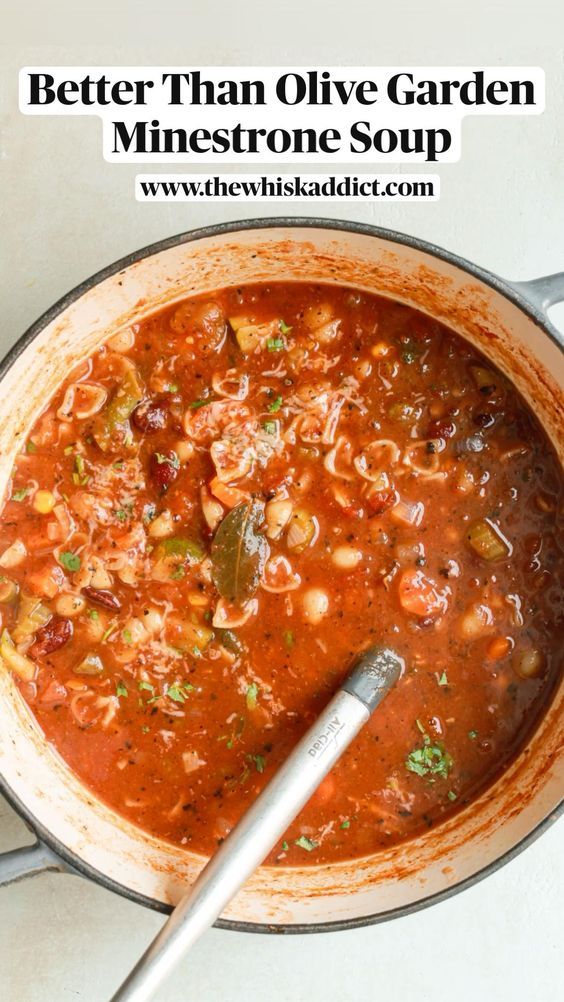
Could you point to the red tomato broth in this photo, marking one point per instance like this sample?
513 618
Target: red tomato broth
179 725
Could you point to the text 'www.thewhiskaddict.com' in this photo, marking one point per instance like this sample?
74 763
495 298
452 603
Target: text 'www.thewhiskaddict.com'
286 187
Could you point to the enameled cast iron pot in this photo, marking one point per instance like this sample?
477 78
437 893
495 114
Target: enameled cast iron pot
76 832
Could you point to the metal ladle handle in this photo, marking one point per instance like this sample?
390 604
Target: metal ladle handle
265 822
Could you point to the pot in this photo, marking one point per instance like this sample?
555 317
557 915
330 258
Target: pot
76 832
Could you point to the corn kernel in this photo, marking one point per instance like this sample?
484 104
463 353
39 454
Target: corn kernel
44 502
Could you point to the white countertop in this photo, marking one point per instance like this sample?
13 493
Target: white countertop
66 214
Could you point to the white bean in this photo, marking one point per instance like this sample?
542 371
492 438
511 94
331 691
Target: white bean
69 605
346 558
529 663
277 514
318 315
152 620
476 621
315 605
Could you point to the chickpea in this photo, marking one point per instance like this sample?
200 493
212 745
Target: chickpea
318 315
69 605
476 621
315 605
346 558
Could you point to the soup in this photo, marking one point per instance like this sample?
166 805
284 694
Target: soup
228 502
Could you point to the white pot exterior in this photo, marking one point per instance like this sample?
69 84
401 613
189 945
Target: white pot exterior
455 851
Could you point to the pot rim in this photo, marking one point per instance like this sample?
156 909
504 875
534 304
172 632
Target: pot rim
73 861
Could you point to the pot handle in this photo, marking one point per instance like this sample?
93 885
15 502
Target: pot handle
27 861
542 292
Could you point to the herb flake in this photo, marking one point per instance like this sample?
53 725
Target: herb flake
70 561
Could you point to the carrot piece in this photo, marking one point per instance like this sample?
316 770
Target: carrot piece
498 648
420 596
229 496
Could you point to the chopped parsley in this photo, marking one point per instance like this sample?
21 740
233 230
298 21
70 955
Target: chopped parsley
172 388
93 614
269 427
196 404
275 344
284 327
285 846
126 636
430 759
451 795
30 447
145 729
178 691
275 405
443 680
472 735
145 685
259 761
20 494
178 573
251 695
305 843
121 689
70 561
345 824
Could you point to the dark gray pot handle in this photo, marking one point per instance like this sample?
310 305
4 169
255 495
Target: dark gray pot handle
27 861
542 292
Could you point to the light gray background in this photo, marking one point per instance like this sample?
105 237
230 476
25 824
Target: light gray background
64 214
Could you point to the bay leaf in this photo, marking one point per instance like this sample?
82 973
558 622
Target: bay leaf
239 553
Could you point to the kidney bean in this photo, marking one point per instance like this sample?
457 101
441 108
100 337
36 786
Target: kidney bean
163 469
50 637
103 597
149 416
